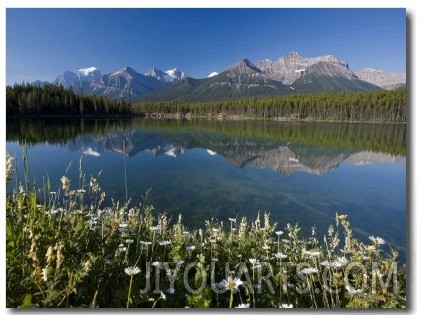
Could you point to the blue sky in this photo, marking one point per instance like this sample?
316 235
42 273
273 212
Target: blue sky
43 43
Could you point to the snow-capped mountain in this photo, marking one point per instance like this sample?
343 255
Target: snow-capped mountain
88 74
124 83
176 75
168 77
78 77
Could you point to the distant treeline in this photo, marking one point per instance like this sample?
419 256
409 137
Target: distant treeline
55 100
381 105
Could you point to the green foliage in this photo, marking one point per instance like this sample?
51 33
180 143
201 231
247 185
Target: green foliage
55 100
375 106
71 251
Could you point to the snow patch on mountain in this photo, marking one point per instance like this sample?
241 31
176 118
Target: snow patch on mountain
169 77
213 74
87 71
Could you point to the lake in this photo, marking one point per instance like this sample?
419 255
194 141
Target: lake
298 172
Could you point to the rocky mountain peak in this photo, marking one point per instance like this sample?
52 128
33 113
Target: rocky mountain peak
292 66
244 66
384 79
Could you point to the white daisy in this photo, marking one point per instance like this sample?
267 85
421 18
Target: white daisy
155 228
231 284
132 271
377 240
309 270
280 255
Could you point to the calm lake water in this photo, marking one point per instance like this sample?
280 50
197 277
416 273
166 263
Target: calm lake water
299 172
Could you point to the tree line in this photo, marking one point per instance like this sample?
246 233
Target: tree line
55 100
381 105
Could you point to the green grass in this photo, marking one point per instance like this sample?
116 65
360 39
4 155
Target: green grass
72 251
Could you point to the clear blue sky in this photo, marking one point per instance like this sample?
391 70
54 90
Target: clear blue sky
43 43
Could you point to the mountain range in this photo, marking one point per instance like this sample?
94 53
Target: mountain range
289 74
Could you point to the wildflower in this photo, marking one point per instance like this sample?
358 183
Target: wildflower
341 216
45 274
309 270
377 240
232 220
65 183
163 296
52 211
266 247
87 267
326 263
280 255
370 248
286 306
242 305
254 261
164 243
123 225
121 248
278 233
145 244
231 284
340 262
353 291
192 247
314 254
132 271
155 228
81 191
129 241
53 193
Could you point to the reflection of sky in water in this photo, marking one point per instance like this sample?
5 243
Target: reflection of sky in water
294 183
